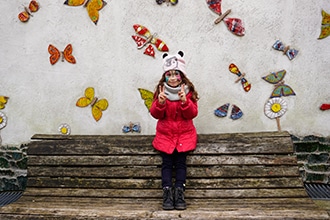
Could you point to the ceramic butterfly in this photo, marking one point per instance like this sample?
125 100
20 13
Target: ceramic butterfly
281 89
97 105
3 101
151 38
25 15
235 25
173 2
222 111
234 69
132 127
55 54
325 28
290 53
93 7
147 96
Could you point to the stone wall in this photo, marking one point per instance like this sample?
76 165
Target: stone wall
313 158
13 168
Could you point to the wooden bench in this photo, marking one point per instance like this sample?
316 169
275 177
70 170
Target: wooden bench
230 176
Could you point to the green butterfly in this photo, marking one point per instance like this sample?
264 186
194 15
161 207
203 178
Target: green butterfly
281 89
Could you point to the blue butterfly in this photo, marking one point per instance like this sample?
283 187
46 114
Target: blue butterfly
222 111
290 53
281 89
132 127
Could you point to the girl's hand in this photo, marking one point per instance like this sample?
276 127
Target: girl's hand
161 95
182 94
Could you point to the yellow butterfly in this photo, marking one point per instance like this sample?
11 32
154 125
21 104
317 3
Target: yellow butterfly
325 28
3 101
97 105
147 96
92 6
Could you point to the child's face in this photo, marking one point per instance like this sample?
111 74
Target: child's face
173 78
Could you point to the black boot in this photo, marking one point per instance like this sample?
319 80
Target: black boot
179 202
168 198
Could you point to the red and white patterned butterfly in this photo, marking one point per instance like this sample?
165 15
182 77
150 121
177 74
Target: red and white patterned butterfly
234 25
150 39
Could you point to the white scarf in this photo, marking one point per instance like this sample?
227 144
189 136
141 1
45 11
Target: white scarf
172 93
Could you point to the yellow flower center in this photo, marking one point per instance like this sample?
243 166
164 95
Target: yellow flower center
1 120
276 107
64 130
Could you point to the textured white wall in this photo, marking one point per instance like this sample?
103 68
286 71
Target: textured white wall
43 96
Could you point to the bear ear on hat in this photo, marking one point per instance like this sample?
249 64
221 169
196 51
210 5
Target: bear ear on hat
165 55
181 53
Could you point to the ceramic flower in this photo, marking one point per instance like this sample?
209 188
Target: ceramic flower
64 129
275 108
3 120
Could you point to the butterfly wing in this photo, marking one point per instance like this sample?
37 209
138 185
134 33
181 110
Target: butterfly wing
325 29
236 113
149 51
215 6
222 110
142 30
161 46
147 96
235 25
98 107
282 90
55 54
87 99
33 6
24 16
278 45
139 40
3 101
275 77
291 53
68 54
74 2
93 7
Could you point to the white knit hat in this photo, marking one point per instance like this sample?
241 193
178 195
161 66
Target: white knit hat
174 62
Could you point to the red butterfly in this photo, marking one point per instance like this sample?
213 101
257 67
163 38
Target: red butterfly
235 25
55 54
151 38
25 15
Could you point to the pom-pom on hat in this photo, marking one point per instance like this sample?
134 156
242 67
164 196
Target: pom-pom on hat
174 62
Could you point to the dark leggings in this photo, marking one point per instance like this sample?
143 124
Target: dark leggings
178 162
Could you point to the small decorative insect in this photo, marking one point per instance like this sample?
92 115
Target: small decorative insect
55 54
93 7
234 69
97 105
281 89
222 111
3 101
290 53
173 2
234 25
151 38
132 127
27 13
325 28
147 96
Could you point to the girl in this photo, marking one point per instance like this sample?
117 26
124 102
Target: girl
175 106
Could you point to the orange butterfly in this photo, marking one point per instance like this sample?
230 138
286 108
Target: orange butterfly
55 54
25 15
97 105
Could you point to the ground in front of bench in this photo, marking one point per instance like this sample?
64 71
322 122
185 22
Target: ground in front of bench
63 208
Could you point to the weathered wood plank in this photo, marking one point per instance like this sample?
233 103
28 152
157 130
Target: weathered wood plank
208 144
153 171
84 208
150 183
126 160
157 193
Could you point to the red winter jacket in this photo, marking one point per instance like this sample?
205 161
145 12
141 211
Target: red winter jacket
175 128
